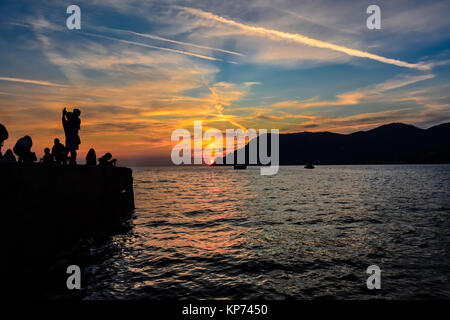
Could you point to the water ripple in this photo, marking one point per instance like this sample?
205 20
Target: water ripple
215 233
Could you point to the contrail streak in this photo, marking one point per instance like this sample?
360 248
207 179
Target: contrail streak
38 82
153 37
299 38
154 47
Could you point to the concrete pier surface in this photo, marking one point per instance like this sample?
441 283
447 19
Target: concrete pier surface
47 207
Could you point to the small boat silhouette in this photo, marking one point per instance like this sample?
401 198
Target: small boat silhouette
309 166
240 166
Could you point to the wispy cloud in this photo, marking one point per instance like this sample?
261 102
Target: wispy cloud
45 24
425 106
299 38
38 82
355 97
224 94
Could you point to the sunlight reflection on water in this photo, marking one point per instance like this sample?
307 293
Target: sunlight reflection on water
215 232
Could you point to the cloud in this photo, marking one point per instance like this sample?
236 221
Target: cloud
429 17
43 24
424 107
224 94
299 38
38 82
355 97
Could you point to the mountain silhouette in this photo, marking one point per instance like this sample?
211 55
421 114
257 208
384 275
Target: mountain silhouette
394 143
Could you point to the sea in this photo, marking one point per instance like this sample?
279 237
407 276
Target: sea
218 233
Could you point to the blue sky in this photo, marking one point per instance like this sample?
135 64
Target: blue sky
140 69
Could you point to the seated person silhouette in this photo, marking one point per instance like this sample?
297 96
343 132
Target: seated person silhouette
59 152
91 158
3 137
48 158
8 156
23 150
106 161
71 124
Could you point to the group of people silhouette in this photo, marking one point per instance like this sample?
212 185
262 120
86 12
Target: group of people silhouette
59 154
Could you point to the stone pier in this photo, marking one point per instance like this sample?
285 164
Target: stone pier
46 207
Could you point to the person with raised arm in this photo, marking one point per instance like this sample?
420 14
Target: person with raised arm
71 124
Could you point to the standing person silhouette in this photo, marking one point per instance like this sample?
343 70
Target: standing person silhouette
71 124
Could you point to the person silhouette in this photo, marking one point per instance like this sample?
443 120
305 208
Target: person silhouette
48 157
22 149
8 156
91 158
106 161
3 137
71 124
59 152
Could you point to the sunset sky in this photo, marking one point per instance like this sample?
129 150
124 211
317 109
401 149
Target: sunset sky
140 69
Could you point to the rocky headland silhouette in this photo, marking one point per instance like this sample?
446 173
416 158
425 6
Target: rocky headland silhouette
394 143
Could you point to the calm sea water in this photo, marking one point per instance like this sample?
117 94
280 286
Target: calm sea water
215 233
